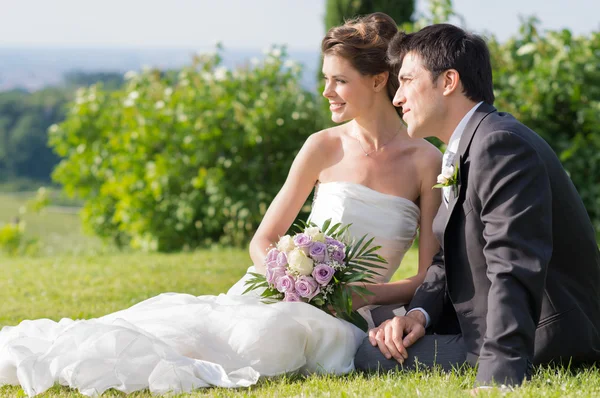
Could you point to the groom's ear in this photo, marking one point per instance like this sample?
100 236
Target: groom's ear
380 81
450 80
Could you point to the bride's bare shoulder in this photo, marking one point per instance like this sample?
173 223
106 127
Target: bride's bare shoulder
427 157
327 140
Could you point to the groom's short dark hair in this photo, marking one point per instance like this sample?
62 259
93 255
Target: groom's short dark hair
444 46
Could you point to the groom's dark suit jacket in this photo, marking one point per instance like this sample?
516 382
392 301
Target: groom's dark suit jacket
519 267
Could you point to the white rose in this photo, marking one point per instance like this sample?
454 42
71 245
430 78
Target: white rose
312 231
320 237
286 244
299 262
448 172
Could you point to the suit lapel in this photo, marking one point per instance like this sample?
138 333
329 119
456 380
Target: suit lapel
465 141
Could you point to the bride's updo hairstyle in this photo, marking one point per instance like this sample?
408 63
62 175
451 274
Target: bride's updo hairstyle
364 42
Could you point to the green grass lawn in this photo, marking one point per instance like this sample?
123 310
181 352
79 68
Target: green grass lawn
82 285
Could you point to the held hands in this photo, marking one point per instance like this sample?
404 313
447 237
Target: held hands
395 335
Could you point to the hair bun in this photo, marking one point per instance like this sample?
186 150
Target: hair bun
364 42
381 23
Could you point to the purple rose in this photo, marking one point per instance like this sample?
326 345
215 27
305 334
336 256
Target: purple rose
271 255
335 243
307 287
282 259
338 255
318 251
271 264
291 297
274 274
286 283
303 241
323 274
271 258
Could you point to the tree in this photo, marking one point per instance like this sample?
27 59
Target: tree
550 81
337 11
184 158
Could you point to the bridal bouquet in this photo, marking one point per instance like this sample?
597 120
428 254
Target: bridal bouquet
318 267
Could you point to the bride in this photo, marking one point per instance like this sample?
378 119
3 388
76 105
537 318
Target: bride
367 172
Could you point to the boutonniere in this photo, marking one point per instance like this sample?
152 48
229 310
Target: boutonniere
448 178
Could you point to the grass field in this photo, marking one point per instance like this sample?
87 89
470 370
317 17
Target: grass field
83 284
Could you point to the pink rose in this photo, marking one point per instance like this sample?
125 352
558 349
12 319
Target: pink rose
282 259
323 274
274 274
271 264
303 241
335 243
338 255
286 283
318 251
271 255
307 287
291 297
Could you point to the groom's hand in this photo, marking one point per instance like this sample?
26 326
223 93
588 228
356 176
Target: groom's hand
394 335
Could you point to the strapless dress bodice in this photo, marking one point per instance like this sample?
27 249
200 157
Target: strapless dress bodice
392 220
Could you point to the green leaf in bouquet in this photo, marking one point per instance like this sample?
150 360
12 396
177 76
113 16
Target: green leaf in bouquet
356 277
354 249
365 246
347 297
332 229
257 275
255 286
298 228
326 225
317 300
362 291
371 250
372 257
255 282
340 233
270 293
356 319
370 264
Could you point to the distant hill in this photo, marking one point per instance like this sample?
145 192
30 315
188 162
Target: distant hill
34 68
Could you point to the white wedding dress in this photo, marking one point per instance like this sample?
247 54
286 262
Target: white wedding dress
178 342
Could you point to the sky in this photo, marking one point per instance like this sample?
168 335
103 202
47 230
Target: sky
240 24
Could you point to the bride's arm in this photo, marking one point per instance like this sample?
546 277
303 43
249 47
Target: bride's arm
283 210
402 291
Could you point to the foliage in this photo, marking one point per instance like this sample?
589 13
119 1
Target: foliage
338 11
550 81
176 160
24 120
110 80
13 241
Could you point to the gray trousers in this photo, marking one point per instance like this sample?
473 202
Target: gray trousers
444 351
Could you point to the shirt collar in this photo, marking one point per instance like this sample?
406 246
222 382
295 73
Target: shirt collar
458 131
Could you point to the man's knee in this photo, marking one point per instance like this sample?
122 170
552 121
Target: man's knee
370 359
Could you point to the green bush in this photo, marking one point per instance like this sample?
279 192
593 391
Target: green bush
180 159
13 241
551 82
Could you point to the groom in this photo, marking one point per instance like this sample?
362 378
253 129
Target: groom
517 281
